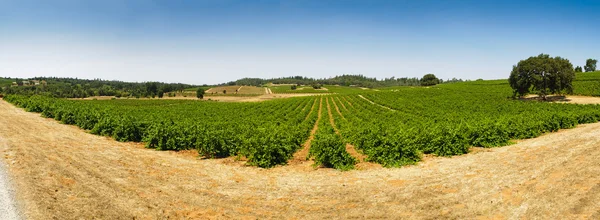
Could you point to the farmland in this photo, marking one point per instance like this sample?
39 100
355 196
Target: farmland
282 89
392 128
235 90
300 89
587 84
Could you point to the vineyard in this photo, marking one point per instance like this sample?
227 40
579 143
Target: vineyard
393 127
587 84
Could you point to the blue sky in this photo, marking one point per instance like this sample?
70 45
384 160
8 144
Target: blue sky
211 41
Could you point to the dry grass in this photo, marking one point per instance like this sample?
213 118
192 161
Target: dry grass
230 90
61 172
566 99
252 90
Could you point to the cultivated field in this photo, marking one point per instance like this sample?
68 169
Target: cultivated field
444 138
62 172
389 128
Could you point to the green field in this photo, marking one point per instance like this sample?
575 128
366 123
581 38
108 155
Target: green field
392 127
4 82
587 84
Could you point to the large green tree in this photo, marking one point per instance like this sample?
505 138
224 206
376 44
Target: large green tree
542 74
590 65
429 80
200 93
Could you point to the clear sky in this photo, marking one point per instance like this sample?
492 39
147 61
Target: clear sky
215 41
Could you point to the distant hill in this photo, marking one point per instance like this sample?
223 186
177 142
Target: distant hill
343 80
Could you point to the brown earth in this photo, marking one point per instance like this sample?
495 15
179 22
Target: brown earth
301 156
566 99
62 172
349 147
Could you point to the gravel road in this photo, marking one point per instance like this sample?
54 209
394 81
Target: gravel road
8 209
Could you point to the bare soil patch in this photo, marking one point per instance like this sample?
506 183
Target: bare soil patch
349 147
302 155
62 172
565 99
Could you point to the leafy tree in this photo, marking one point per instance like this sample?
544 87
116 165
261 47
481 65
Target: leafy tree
317 86
161 93
590 65
224 91
151 88
429 80
578 69
543 74
200 93
294 87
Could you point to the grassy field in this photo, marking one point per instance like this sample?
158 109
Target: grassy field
6 82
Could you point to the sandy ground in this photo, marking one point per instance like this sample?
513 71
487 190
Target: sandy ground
62 172
567 99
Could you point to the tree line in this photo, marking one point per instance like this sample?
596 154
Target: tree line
343 80
82 88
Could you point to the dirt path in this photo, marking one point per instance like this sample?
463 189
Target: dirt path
337 109
349 103
301 155
312 108
349 147
341 103
62 172
362 97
